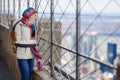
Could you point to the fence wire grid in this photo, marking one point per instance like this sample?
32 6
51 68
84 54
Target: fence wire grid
80 40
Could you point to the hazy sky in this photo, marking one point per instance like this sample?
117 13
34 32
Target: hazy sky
111 7
94 6
104 6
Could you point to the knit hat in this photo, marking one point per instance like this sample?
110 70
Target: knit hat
28 12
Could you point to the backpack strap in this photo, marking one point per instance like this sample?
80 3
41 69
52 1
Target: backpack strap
15 24
12 33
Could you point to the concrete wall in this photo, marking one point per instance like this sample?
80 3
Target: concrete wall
6 52
57 35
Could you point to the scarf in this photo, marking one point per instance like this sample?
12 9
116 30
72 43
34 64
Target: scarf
30 25
36 52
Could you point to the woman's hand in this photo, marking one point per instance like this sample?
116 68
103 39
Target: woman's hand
41 25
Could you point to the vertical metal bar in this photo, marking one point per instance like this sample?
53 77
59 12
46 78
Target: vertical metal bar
77 39
14 7
36 4
28 3
4 7
19 8
118 68
8 11
37 19
8 7
1 10
52 29
118 72
4 11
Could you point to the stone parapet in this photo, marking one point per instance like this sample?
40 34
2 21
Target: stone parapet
6 52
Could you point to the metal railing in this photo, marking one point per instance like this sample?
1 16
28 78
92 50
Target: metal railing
82 33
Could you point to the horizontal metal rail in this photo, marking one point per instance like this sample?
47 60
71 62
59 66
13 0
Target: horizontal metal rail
85 56
64 73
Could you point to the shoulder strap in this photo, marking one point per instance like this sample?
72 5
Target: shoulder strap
16 24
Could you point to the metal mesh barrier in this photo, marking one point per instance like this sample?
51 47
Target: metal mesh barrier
80 40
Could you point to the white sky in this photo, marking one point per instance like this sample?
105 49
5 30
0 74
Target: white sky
112 8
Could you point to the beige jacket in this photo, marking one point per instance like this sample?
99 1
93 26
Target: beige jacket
23 35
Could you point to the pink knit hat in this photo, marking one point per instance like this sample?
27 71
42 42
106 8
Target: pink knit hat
28 12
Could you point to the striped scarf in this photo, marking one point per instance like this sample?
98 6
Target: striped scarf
31 26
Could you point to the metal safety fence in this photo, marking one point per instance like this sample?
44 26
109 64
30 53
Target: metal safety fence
80 40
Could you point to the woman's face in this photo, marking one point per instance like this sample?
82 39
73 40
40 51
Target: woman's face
33 17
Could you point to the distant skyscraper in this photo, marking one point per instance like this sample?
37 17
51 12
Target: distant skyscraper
111 52
92 42
111 55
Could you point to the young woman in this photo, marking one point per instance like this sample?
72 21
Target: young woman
25 34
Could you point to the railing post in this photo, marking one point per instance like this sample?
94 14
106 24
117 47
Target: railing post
1 10
118 69
19 8
8 15
52 30
36 4
14 7
78 39
28 3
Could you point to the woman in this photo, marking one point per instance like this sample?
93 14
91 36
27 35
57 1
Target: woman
25 34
